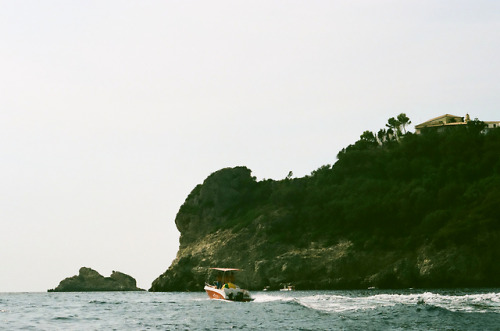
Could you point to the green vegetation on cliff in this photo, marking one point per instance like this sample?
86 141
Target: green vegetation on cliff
396 210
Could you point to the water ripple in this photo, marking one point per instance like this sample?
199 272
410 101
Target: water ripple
314 310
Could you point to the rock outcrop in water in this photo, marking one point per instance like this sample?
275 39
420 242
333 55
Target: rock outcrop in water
89 280
418 212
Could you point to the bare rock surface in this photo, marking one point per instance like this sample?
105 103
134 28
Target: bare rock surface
89 280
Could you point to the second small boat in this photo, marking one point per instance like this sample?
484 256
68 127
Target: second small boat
288 288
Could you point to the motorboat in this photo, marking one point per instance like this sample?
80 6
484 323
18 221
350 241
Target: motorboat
223 287
287 288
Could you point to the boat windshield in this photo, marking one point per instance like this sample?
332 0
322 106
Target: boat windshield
225 276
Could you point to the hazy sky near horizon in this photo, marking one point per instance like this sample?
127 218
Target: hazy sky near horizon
111 112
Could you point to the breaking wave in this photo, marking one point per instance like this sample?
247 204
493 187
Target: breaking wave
470 303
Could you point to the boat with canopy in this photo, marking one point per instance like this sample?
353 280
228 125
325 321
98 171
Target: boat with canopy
224 287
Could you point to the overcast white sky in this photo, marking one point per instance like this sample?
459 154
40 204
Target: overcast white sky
112 111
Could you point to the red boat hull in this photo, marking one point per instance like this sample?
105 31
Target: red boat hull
214 294
220 294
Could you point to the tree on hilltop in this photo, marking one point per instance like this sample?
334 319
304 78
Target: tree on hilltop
382 136
393 130
403 121
368 136
396 127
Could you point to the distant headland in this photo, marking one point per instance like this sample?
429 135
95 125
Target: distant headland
89 280
396 210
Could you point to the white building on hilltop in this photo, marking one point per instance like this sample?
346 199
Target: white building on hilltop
442 122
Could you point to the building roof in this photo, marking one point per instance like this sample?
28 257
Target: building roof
428 122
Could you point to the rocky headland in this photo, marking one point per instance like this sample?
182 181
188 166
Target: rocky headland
89 280
411 211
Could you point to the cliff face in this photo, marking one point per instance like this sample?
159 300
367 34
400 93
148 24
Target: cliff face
89 280
205 242
402 216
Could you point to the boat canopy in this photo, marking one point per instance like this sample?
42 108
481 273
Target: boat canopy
225 269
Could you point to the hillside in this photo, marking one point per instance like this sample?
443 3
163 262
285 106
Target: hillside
395 210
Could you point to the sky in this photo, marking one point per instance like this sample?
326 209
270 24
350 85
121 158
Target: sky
112 111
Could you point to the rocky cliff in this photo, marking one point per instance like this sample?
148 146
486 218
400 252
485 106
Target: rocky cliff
89 280
421 212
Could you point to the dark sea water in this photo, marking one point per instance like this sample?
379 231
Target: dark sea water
297 310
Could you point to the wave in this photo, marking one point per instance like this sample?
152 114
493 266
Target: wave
477 303
63 318
101 302
272 298
468 303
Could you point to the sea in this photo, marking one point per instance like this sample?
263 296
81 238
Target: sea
410 309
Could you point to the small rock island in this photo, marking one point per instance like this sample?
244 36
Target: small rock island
89 280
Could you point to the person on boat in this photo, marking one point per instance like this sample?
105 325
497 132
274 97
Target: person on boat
218 281
229 281
230 285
